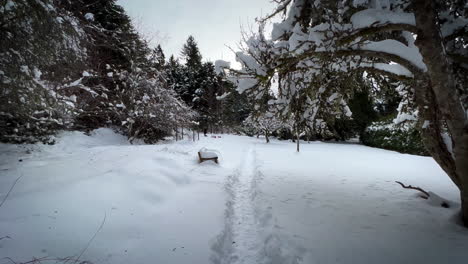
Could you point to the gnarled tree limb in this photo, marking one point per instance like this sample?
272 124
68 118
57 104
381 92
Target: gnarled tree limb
415 188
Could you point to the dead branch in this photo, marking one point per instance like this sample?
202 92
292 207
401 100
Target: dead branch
44 260
9 191
10 260
91 240
427 195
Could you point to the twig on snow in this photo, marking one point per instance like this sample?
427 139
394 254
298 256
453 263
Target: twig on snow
10 260
427 195
91 240
9 191
45 259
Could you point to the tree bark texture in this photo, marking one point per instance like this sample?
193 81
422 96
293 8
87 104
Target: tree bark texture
447 103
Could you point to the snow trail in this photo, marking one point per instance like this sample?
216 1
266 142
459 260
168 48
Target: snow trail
239 241
245 233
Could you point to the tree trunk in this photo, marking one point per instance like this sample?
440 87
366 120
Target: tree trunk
447 102
266 136
464 206
297 135
432 132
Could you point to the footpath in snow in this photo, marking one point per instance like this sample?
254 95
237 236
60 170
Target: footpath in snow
239 242
264 203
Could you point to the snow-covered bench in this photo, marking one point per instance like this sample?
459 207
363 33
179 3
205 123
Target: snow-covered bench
205 154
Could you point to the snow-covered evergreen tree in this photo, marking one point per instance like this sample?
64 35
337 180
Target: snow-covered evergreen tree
199 85
421 43
191 54
42 53
81 65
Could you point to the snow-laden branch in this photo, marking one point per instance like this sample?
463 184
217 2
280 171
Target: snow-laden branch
371 31
372 17
394 47
406 68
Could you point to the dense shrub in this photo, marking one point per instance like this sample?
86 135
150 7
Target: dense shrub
389 136
41 51
80 65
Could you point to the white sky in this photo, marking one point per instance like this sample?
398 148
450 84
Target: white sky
213 23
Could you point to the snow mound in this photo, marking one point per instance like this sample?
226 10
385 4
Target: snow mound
70 140
437 201
160 205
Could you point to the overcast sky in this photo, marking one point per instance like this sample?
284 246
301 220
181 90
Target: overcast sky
213 23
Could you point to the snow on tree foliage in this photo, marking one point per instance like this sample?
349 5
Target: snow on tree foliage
81 65
420 43
265 123
148 108
35 70
203 86
302 95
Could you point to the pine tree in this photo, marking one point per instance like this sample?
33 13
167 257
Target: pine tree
42 54
158 59
191 54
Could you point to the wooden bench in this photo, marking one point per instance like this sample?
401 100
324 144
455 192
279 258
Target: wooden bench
204 156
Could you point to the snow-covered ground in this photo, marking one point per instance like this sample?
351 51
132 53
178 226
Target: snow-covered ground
106 201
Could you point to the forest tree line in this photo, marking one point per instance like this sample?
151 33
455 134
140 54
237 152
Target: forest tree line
80 65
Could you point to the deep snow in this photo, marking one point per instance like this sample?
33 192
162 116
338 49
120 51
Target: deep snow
264 203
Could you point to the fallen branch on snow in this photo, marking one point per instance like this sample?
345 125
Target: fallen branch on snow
427 195
60 260
45 260
9 191
91 240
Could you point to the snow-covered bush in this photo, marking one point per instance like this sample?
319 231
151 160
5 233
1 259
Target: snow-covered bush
150 110
63 67
388 135
265 123
41 50
398 131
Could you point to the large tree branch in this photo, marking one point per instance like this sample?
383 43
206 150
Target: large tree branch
387 57
288 63
387 73
371 31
